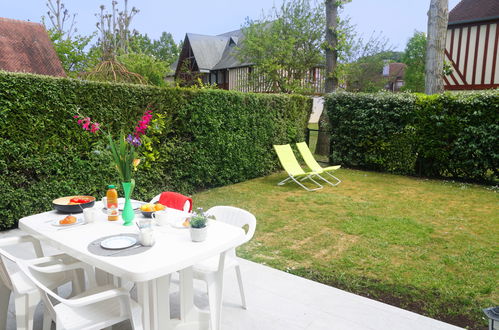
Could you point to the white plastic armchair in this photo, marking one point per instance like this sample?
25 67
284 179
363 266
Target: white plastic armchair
26 295
96 308
209 270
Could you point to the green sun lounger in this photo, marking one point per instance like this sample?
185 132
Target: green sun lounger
293 168
314 166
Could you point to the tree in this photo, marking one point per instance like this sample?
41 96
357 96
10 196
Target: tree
438 17
364 64
414 56
59 16
74 58
332 48
114 30
164 49
284 46
151 68
69 47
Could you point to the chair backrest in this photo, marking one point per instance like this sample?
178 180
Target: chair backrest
236 217
174 200
7 257
307 156
37 279
288 160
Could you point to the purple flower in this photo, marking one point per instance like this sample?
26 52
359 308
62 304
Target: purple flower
133 140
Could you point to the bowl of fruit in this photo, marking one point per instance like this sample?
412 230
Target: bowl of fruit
148 209
73 204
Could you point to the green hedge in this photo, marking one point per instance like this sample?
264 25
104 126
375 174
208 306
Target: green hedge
211 138
454 135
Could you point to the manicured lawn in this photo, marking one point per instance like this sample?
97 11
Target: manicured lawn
424 245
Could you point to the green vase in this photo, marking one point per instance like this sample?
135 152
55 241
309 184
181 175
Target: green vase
128 213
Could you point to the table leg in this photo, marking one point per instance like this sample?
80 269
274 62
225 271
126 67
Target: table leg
186 295
190 316
144 301
163 302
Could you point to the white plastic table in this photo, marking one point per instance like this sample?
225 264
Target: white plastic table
150 270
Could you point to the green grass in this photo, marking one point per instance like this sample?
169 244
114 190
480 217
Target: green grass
424 245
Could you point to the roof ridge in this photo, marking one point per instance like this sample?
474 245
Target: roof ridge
19 21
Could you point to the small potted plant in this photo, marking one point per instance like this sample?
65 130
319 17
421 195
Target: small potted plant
198 227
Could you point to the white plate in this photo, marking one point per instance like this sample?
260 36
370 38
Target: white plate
178 224
56 223
118 242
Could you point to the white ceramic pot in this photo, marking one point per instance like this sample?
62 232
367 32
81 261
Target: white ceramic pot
198 234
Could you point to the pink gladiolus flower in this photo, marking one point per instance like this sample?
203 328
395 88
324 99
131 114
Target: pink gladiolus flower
95 127
87 124
143 124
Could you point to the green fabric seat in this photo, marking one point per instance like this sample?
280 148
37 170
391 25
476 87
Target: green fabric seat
293 168
309 159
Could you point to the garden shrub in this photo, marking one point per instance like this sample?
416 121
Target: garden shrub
207 138
453 135
373 131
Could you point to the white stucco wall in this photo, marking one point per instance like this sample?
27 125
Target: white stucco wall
316 109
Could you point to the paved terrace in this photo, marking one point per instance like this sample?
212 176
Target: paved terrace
281 301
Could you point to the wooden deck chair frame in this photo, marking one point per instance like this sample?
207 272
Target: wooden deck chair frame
309 159
293 168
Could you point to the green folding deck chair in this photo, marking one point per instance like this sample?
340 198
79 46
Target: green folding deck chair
293 168
309 159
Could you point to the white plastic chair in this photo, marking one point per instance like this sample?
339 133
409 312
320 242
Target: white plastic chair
96 308
26 295
209 270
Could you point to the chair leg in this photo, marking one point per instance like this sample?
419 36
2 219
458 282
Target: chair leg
284 181
338 181
25 310
241 289
4 305
304 187
47 321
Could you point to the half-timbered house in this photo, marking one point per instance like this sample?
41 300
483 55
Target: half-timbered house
472 45
213 59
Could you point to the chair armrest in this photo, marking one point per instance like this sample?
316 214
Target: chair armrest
63 267
23 239
58 268
58 258
96 297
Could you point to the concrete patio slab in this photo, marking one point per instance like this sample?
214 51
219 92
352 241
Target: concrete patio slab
278 300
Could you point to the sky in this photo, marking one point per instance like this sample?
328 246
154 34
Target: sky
395 19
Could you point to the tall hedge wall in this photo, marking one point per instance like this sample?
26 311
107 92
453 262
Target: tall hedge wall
447 135
211 138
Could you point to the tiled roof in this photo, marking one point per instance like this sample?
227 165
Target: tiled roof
474 10
26 47
397 70
208 50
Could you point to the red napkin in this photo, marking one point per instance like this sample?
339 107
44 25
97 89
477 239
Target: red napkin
175 200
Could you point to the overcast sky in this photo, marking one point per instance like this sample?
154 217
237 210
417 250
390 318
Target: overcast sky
397 19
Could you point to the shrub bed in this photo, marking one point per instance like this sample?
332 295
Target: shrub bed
202 138
447 135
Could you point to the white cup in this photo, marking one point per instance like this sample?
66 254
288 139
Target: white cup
104 202
146 237
89 215
161 218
